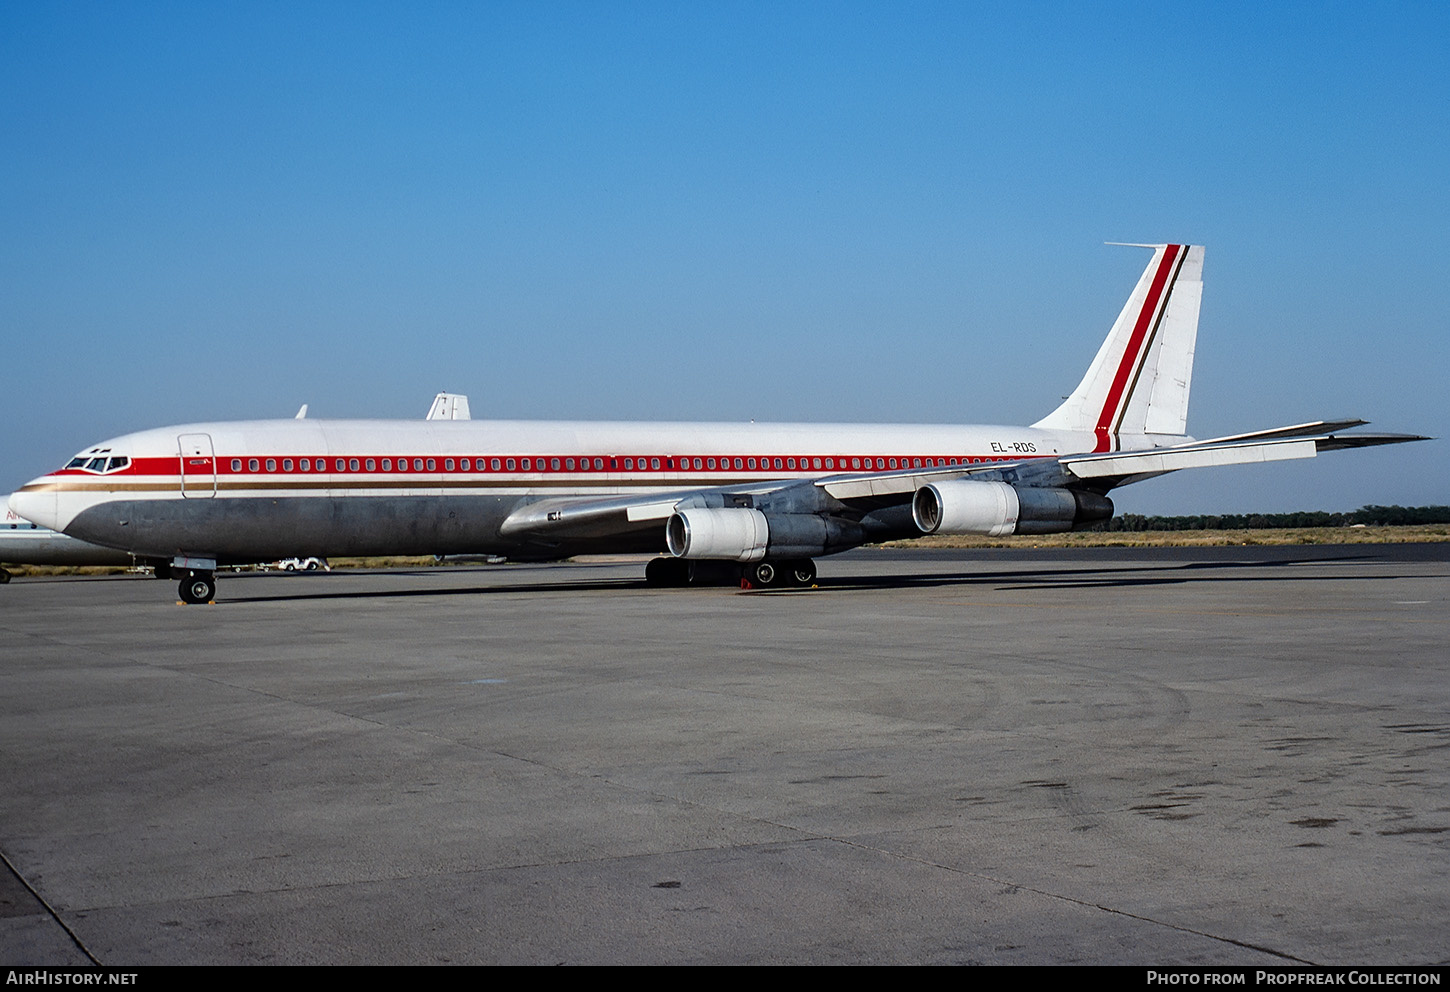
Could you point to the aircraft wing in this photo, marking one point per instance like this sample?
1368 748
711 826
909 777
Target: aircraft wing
568 517
562 517
856 493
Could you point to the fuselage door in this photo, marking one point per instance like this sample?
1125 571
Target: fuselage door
198 466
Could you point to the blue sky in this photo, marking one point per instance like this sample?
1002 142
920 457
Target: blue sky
816 211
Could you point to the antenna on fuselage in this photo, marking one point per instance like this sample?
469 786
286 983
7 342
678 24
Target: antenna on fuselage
449 406
301 413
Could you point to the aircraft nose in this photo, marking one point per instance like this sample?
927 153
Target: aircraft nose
36 502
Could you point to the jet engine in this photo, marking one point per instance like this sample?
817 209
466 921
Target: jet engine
744 534
996 509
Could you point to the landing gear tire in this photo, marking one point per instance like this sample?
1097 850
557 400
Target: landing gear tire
765 574
801 572
667 572
198 587
4 576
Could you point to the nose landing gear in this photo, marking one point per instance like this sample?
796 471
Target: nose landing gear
198 587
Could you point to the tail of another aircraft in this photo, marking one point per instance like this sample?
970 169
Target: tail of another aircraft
1138 383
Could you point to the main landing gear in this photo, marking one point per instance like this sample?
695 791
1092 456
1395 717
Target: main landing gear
773 574
768 574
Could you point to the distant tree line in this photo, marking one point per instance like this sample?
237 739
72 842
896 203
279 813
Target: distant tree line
1371 516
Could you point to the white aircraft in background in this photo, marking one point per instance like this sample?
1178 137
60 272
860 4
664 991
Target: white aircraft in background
766 497
26 543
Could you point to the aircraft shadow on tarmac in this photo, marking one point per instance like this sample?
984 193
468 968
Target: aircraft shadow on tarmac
1016 579
1123 575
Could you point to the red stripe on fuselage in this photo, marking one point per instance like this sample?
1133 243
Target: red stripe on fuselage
402 465
1129 361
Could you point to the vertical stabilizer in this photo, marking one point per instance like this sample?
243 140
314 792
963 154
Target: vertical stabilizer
1139 381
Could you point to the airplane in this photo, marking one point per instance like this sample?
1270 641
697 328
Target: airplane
763 499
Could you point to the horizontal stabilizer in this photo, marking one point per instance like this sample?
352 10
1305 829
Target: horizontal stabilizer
1312 429
1278 444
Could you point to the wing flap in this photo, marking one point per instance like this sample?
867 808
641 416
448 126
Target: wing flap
588 517
863 486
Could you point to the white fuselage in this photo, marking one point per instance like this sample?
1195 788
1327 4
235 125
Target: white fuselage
258 488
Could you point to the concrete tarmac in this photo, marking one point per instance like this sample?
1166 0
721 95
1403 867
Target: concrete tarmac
1218 756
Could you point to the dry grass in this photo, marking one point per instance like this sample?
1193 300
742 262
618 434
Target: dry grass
67 569
393 561
1194 538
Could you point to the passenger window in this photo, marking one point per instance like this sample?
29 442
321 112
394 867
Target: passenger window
253 465
305 464
371 464
598 464
790 463
750 462
448 464
493 464
569 464
236 464
526 463
417 464
432 465
286 464
554 464
509 464
629 464
271 464
654 463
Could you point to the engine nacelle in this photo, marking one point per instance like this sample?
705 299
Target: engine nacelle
996 509
737 534
745 534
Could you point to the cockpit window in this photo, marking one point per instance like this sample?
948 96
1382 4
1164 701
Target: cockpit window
91 462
